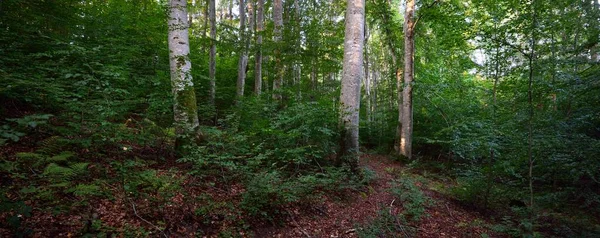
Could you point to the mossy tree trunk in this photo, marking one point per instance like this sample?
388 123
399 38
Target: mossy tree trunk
184 103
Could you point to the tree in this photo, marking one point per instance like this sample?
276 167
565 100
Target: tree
351 78
409 56
277 36
212 67
243 59
259 40
184 103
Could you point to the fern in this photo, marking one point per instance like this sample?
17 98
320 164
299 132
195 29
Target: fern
61 158
51 145
86 190
79 169
60 173
27 157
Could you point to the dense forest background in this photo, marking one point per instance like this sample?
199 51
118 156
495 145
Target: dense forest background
504 115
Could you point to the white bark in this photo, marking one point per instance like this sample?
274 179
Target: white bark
259 39
351 78
243 60
184 106
277 35
409 55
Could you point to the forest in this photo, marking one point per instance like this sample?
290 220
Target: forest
299 118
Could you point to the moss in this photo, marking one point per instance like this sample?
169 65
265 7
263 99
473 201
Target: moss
187 111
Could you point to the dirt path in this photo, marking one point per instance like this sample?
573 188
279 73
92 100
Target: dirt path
340 218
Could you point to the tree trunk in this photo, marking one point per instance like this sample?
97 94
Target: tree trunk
277 35
243 60
206 19
184 104
351 77
367 82
212 67
532 59
230 15
409 55
313 74
259 39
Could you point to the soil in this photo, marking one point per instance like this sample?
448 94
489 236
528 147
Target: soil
332 216
445 218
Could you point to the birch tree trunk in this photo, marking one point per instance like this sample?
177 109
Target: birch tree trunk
243 61
409 55
184 104
351 77
259 39
277 35
212 65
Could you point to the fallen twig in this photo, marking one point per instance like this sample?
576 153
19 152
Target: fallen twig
450 212
391 207
298 225
149 223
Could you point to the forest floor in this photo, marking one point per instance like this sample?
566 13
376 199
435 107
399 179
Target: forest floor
444 217
204 204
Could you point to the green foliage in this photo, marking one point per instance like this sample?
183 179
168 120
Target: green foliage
386 225
412 198
138 180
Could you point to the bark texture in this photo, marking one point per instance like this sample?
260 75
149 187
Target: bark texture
212 67
259 39
243 61
277 35
351 80
409 56
184 106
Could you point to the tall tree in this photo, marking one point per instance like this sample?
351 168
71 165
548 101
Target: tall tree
243 60
184 103
277 36
409 56
212 65
259 39
351 78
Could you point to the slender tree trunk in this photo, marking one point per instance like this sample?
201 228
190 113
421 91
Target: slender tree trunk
212 65
367 82
184 107
259 39
206 18
531 112
277 36
243 60
313 74
409 55
230 15
297 66
351 78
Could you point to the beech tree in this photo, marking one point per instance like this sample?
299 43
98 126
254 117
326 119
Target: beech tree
184 97
351 78
243 58
277 36
259 40
406 114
